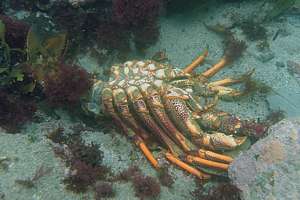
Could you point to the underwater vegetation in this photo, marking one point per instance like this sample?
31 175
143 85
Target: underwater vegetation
85 170
84 162
139 17
222 191
32 70
12 42
113 37
145 186
15 110
15 32
103 190
164 177
136 21
234 48
253 30
16 106
59 92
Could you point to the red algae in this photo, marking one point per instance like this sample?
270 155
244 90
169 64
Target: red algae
15 111
146 187
66 86
16 32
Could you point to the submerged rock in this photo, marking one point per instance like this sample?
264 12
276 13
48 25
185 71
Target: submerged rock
293 68
270 169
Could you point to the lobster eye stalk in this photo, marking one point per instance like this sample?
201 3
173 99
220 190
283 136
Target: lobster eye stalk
92 102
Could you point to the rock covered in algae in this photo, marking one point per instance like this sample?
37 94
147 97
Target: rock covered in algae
270 169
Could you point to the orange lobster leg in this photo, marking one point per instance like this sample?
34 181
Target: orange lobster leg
214 156
139 142
224 82
186 167
207 163
195 63
215 68
230 81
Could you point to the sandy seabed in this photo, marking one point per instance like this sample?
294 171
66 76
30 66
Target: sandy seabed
183 37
